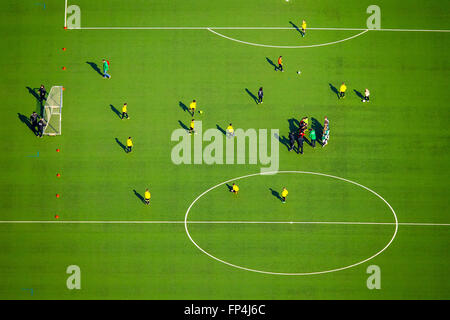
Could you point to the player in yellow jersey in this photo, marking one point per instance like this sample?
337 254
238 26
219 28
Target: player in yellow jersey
342 90
230 131
284 194
129 144
125 111
192 107
147 196
303 32
191 129
234 189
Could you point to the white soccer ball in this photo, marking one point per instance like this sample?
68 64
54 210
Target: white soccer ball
298 72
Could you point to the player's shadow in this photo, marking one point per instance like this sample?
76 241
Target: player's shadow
39 103
26 121
276 194
221 129
183 106
283 140
318 128
359 94
95 67
137 194
272 64
34 93
296 28
121 145
333 88
183 125
230 187
294 125
113 109
252 96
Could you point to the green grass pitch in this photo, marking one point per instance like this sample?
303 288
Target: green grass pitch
397 145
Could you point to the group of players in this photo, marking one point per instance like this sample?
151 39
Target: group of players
300 138
37 123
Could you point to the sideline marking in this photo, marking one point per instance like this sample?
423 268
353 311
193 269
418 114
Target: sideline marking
254 28
290 273
219 222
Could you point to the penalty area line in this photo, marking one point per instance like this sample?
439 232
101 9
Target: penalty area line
219 222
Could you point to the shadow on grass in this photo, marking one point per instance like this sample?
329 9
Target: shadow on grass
230 187
276 194
95 67
116 111
296 28
39 103
283 140
272 64
183 106
333 88
183 125
27 122
140 197
121 145
252 95
359 94
221 129
294 125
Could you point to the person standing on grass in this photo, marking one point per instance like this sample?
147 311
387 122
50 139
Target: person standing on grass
326 122
304 124
230 131
34 121
125 111
291 141
147 196
191 128
192 107
105 69
234 189
41 126
284 194
312 135
366 95
129 144
342 90
260 95
300 140
42 93
303 28
325 136
280 63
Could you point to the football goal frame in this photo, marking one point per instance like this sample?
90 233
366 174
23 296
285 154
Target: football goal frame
53 111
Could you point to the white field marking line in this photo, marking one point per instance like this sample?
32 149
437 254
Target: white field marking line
65 13
255 28
290 273
287 47
217 222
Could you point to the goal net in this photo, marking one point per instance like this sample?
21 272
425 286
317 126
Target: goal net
53 111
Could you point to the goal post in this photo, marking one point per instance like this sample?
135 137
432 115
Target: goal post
53 111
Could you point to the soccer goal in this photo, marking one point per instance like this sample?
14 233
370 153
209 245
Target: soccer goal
53 111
